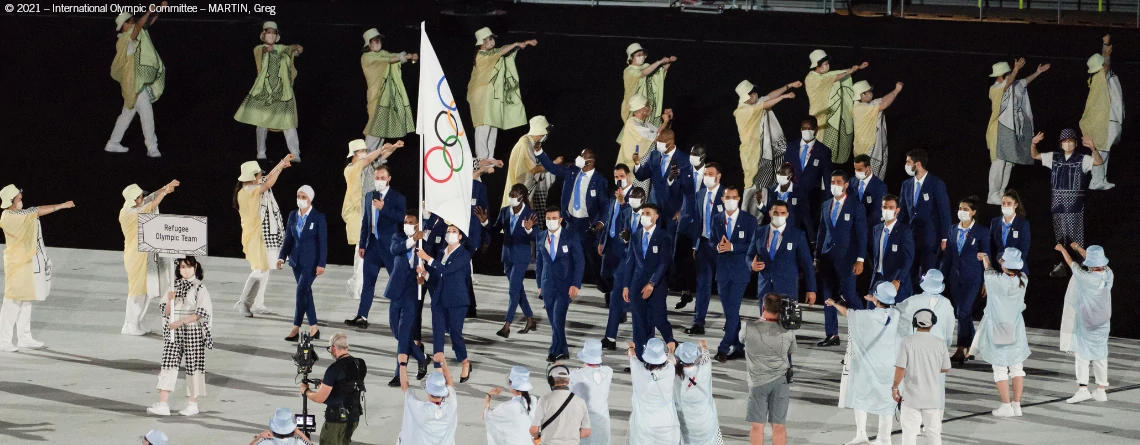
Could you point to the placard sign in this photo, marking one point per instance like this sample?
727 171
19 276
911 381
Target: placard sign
172 234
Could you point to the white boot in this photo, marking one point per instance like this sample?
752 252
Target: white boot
1081 395
131 329
859 440
1016 409
159 409
1099 395
1005 410
115 148
8 347
190 410
29 343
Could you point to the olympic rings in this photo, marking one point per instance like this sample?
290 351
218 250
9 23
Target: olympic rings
447 159
448 141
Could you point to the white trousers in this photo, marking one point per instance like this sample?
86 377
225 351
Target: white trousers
195 383
253 294
1009 372
485 138
1100 371
136 310
291 141
356 283
15 314
999 180
1099 181
146 118
886 425
913 420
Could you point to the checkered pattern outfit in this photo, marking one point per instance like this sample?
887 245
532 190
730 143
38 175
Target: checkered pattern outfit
186 345
1069 182
271 222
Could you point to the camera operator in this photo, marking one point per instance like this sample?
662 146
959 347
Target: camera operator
768 347
340 393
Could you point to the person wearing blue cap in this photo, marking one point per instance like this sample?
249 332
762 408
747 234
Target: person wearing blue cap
653 418
592 383
509 423
1088 303
693 394
154 437
1001 339
930 299
432 421
962 266
282 431
1069 180
868 367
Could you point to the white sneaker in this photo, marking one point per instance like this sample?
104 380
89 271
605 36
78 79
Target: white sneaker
1099 395
153 152
859 440
115 148
145 330
29 343
1005 410
190 410
1016 409
1081 395
131 329
261 310
261 155
159 409
243 310
882 441
8 347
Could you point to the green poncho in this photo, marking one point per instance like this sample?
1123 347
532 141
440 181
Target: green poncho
270 103
493 93
389 111
142 70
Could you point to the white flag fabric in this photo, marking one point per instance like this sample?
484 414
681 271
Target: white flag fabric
444 154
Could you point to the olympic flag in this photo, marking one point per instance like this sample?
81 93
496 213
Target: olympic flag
445 168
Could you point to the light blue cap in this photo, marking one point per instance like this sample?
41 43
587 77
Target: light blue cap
885 292
687 353
591 352
283 422
1011 259
519 378
933 282
1094 257
654 352
436 385
156 437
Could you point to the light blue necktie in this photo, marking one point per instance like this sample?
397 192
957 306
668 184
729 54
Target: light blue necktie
708 212
728 225
862 188
1004 232
300 224
961 239
409 255
634 218
375 223
772 245
664 163
834 212
550 240
883 246
644 243
917 192
613 219
577 195
514 219
784 196
803 157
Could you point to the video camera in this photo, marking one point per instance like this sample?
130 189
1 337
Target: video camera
791 316
304 359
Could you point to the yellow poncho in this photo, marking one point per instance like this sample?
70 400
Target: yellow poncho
493 92
652 87
134 260
270 103
1094 121
830 102
389 111
996 93
632 140
350 210
252 242
866 126
519 165
21 238
139 70
748 119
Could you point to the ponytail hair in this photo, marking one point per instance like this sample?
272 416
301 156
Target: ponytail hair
526 397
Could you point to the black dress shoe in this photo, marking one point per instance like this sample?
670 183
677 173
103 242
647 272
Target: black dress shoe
470 369
550 358
359 322
293 337
531 324
736 354
686 298
627 370
317 336
561 357
422 371
505 332
624 318
395 382
829 341
721 357
472 313
607 344
695 330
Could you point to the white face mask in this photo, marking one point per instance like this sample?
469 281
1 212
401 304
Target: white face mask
861 175
662 147
270 38
783 180
779 221
361 154
453 238
646 221
375 46
409 229
963 216
808 135
302 204
543 138
638 60
635 202
20 206
710 182
580 162
513 201
730 204
1007 211
836 190
553 225
888 214
187 273
1068 146
909 170
381 184
695 160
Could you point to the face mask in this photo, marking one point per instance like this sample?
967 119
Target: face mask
731 204
646 221
888 214
779 221
909 170
808 135
270 38
861 175
709 182
695 160
302 204
783 180
638 60
187 273
690 371
1007 211
836 190
553 225
635 202
20 206
409 229
452 238
375 46
662 147
381 184
580 162
513 201
963 215
1068 146
361 155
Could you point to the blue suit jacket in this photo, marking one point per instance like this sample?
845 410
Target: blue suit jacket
311 248
402 283
897 257
667 196
595 196
735 263
848 233
479 198
699 201
872 198
434 232
566 268
449 279
391 219
689 189
615 217
516 243
929 218
792 252
812 176
649 267
964 265
799 209
1018 237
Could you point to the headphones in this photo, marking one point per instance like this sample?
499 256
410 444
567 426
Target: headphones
550 373
933 318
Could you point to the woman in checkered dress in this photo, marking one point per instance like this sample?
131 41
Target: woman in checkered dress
262 230
186 312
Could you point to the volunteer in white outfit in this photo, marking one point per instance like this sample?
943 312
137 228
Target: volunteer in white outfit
922 365
186 314
1001 339
262 230
432 421
868 368
592 383
931 298
136 262
282 431
509 423
27 268
1090 293
653 419
693 394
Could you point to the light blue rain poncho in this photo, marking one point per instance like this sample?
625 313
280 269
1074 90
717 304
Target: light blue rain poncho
1001 339
931 298
1092 295
872 347
693 394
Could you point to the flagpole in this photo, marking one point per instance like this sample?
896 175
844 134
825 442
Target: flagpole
420 183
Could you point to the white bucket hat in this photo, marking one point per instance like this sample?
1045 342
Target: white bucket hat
482 35
130 194
249 171
267 25
688 353
816 56
637 102
744 90
885 292
1095 63
1094 257
356 145
121 19
371 34
7 194
538 126
436 385
860 87
1000 69
933 282
654 352
283 422
1011 259
591 352
156 437
631 49
519 378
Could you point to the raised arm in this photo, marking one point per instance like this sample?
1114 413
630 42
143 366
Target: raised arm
272 178
49 209
383 152
139 25
1017 65
1040 69
851 71
1106 50
1064 253
1088 142
517 45
653 66
1033 148
772 102
153 18
889 99
403 360
780 91
439 358
159 195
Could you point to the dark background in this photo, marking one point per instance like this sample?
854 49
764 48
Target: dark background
59 105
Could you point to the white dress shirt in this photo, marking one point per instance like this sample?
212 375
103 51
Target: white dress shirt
583 190
881 249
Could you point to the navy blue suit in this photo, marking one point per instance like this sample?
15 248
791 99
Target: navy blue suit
449 300
928 217
405 302
1016 236
667 196
732 271
964 274
780 274
306 249
690 187
515 257
558 275
615 249
838 246
593 201
479 199
871 196
646 262
708 205
375 238
800 212
813 176
896 257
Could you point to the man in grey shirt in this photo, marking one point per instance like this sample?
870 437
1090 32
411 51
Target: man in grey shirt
567 427
923 359
767 346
